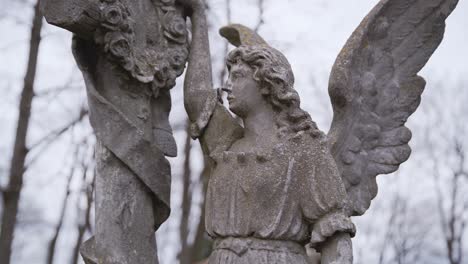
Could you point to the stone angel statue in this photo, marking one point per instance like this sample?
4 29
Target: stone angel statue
277 182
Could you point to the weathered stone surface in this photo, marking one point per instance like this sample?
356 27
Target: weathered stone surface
130 53
78 16
277 182
374 88
264 195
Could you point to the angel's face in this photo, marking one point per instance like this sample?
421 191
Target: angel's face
243 91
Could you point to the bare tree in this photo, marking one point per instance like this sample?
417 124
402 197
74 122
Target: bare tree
46 141
53 241
446 148
389 224
185 252
452 219
223 70
202 245
408 233
80 161
11 194
86 194
261 11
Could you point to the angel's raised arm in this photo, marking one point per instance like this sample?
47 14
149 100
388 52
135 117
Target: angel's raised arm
210 120
199 95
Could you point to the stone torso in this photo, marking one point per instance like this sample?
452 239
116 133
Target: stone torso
256 194
266 200
262 193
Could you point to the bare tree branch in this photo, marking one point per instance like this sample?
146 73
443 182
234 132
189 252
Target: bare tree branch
389 225
60 131
53 92
88 185
11 195
261 10
452 221
53 241
223 71
48 139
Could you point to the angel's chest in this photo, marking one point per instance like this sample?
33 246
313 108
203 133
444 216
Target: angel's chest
250 173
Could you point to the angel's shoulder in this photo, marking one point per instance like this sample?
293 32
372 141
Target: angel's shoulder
221 131
306 145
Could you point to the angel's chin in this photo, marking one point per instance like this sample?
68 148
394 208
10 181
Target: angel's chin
236 109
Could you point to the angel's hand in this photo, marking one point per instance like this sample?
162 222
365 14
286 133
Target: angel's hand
337 249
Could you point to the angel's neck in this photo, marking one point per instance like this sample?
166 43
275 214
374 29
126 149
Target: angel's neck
260 124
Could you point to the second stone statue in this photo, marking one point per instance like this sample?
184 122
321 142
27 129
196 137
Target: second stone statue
130 53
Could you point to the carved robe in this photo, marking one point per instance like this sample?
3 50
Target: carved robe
264 206
128 69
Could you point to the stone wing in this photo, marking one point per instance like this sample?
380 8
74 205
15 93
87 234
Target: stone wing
374 88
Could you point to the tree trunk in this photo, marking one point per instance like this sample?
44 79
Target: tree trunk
185 252
11 195
201 248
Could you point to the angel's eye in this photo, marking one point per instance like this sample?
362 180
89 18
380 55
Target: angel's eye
237 75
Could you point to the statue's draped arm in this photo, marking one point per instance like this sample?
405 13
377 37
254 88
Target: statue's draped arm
323 203
374 88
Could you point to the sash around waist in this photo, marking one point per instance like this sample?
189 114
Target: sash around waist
240 245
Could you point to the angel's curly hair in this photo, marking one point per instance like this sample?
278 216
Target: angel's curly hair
276 80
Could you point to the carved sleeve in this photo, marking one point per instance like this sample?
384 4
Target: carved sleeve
329 225
220 132
325 196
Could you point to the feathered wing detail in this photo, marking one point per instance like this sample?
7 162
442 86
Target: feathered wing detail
374 88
